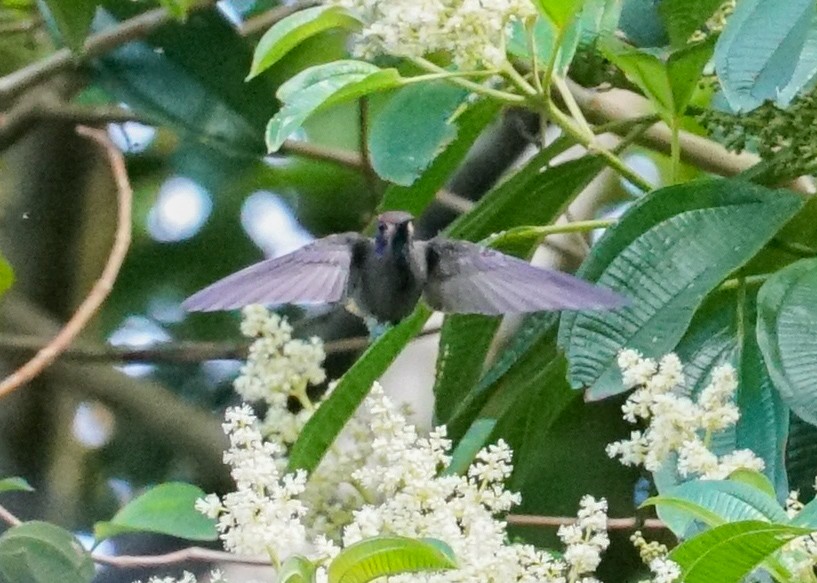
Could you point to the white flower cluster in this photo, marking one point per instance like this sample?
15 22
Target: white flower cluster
585 540
654 555
412 498
399 475
678 424
471 31
263 516
216 576
279 367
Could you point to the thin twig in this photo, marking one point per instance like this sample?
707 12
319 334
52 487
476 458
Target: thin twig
266 19
612 523
454 202
194 554
9 518
62 60
104 284
351 160
171 352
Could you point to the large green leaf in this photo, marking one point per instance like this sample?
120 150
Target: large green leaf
683 17
166 509
327 422
39 552
288 33
412 128
787 319
666 254
715 502
322 86
729 552
384 556
73 19
759 49
415 198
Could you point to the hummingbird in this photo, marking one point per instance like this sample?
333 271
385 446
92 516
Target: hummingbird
384 277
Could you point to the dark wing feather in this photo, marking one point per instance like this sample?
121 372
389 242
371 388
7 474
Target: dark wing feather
469 279
316 273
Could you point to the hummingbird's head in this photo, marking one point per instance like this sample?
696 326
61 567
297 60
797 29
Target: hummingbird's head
394 232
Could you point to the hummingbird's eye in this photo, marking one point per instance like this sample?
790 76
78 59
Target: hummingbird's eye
381 227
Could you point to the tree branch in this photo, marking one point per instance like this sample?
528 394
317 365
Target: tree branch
62 60
630 523
619 105
171 352
104 284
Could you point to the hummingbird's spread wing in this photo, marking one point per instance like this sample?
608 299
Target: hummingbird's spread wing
470 279
316 273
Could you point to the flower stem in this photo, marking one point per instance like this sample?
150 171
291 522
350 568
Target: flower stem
675 151
569 127
510 98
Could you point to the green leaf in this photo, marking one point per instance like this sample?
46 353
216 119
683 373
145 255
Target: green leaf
560 12
73 19
415 198
296 569
412 128
547 39
807 517
533 196
39 552
464 343
322 86
15 485
6 275
729 552
759 49
178 8
804 72
683 17
715 502
668 85
328 421
645 70
288 33
787 316
755 479
666 254
474 440
384 556
166 509
684 68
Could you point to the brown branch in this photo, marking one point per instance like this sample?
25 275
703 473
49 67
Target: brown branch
620 105
265 20
171 352
194 554
351 160
630 523
104 284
